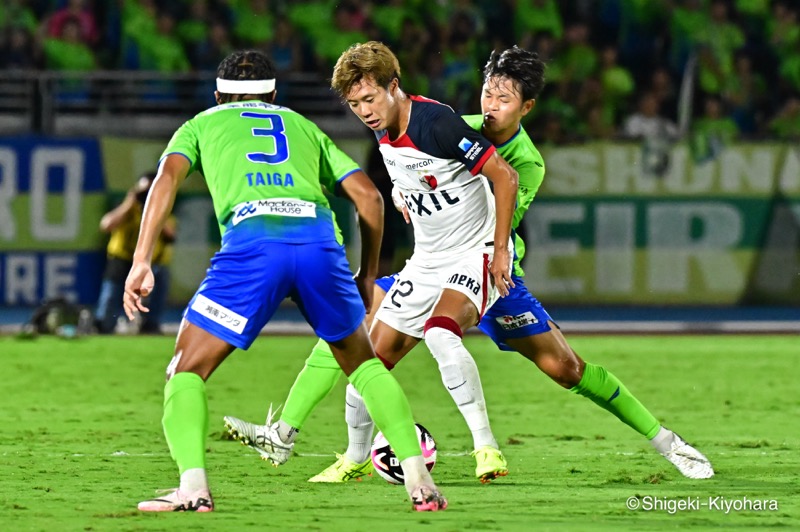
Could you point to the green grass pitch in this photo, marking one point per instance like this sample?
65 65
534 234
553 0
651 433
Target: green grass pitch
81 441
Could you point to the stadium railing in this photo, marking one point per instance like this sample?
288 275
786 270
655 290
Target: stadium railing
134 103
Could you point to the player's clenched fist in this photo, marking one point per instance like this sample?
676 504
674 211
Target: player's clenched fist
139 284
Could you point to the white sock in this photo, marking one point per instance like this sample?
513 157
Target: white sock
415 473
460 377
359 426
286 432
193 480
663 440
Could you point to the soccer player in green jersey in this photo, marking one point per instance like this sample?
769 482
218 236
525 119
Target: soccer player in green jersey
518 322
266 167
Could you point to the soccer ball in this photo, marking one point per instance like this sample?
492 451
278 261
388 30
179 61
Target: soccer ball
386 463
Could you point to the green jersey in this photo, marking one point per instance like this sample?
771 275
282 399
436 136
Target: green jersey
523 156
265 165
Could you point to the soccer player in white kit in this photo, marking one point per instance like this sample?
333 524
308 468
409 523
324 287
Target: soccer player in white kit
462 252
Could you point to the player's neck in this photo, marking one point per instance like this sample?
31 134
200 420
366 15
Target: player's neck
403 116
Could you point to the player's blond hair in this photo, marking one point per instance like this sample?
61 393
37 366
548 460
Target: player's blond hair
370 59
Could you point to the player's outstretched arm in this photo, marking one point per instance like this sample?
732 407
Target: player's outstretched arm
171 173
368 202
506 182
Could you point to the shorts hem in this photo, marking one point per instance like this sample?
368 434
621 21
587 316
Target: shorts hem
205 324
341 336
400 328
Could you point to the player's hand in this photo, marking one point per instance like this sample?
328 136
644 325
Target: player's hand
400 203
500 268
365 284
139 284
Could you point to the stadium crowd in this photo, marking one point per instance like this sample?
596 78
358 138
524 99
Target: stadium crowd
615 67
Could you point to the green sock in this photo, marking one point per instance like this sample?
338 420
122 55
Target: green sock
388 407
607 391
312 385
186 420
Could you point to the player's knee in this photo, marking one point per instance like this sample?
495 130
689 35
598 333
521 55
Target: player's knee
442 334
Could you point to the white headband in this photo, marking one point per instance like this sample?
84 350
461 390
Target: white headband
245 86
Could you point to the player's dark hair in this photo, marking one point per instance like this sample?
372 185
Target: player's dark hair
519 65
245 65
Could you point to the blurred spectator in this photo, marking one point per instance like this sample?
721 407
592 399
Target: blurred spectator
18 50
122 223
194 29
786 124
332 39
717 50
744 93
687 25
17 13
617 81
713 131
391 17
640 33
599 124
461 72
67 51
213 49
535 16
753 15
663 88
783 32
80 11
646 122
163 51
285 48
253 22
578 59
656 133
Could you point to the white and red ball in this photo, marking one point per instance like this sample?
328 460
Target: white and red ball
386 463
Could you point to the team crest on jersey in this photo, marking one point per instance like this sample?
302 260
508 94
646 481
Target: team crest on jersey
430 180
509 323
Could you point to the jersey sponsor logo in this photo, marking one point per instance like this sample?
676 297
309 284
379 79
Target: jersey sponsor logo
466 281
276 178
465 145
419 164
509 323
219 314
275 207
417 203
474 151
430 180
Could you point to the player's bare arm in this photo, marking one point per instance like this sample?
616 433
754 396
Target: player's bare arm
171 173
368 202
506 182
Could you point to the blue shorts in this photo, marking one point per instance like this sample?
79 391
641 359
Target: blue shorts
518 315
247 281
385 283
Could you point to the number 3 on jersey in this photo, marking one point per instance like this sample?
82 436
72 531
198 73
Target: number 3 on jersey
275 130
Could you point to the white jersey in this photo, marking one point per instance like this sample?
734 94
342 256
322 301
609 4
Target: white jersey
436 164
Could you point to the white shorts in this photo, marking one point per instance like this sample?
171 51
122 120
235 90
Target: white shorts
410 300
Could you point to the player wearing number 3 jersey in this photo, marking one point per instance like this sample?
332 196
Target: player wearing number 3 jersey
266 167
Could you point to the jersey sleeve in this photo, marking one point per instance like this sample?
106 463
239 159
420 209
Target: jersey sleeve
531 175
334 165
456 139
184 142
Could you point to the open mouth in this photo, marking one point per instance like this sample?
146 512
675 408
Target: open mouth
373 123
